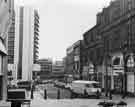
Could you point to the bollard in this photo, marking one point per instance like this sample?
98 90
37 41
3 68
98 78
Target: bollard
45 94
110 95
121 104
98 94
58 94
72 95
106 104
32 94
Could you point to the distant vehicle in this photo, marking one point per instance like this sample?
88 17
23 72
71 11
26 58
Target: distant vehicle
59 83
46 81
24 84
68 86
83 87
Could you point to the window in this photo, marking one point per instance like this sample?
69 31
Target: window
116 61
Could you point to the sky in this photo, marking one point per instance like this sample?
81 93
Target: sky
63 22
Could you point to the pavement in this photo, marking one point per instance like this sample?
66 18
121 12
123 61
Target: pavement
39 101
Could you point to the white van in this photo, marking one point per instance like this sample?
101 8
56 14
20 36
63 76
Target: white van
83 87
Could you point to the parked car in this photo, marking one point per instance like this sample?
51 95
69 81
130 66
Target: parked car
68 86
81 87
59 83
24 84
47 81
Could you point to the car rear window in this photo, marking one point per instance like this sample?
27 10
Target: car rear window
95 85
88 85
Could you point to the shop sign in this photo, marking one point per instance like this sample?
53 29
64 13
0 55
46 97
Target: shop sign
130 61
76 58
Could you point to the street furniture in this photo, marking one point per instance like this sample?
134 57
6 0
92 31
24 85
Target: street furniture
121 104
18 97
58 94
106 104
45 94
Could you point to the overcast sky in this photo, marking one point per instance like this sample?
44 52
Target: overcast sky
63 22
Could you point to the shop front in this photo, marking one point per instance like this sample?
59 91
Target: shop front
130 73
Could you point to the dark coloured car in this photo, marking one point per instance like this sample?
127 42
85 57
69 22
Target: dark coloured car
24 84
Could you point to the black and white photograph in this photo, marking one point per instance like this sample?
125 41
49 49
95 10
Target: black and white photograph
67 53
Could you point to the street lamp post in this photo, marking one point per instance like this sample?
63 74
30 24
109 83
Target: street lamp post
106 76
124 75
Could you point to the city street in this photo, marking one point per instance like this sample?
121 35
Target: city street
76 53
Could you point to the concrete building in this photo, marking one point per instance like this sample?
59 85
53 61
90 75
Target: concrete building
74 60
58 70
23 43
69 68
6 14
46 68
58 66
11 43
36 37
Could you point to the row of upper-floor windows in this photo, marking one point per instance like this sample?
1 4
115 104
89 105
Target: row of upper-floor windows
3 0
120 30
116 9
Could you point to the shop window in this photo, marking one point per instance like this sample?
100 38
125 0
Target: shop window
116 61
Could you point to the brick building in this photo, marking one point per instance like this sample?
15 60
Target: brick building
110 42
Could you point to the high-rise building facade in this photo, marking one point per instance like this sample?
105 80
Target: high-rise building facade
6 12
36 36
11 40
23 43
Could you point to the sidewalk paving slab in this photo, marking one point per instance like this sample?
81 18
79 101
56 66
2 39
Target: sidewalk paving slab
39 101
